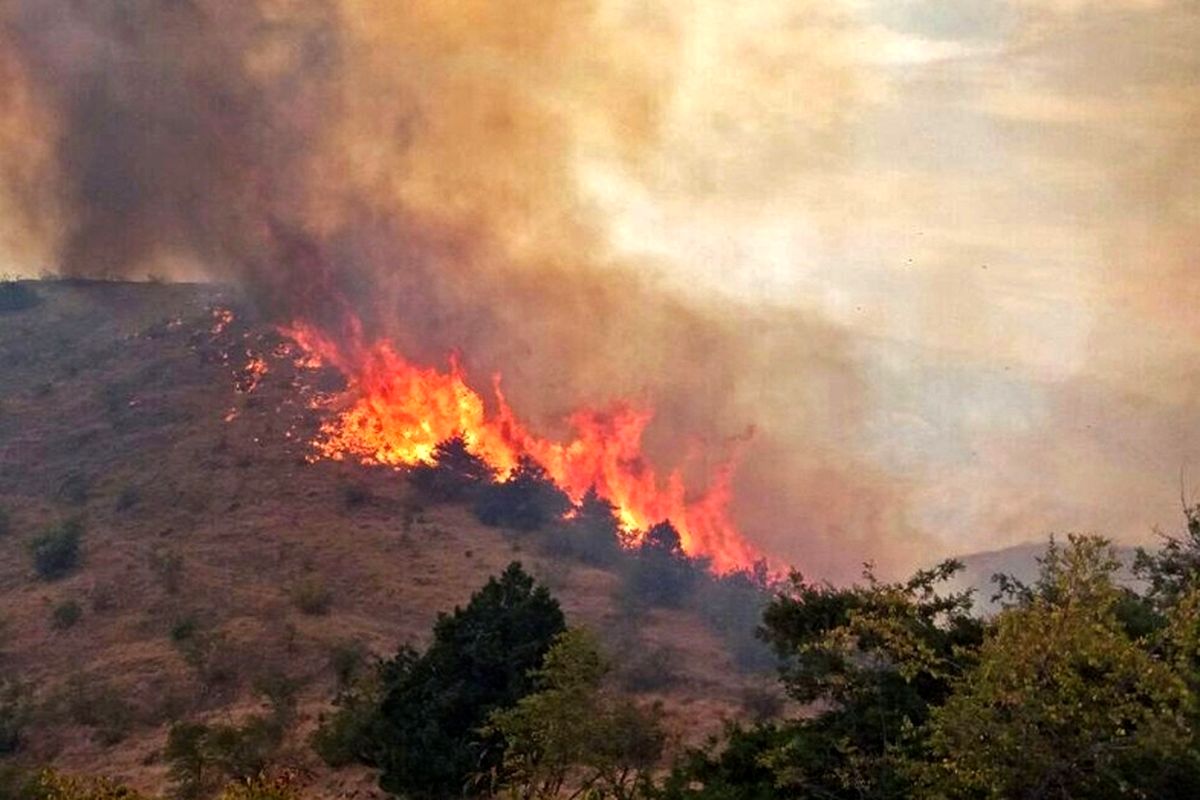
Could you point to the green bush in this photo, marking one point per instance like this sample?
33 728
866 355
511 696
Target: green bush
56 552
420 725
202 758
51 785
92 701
65 615
348 660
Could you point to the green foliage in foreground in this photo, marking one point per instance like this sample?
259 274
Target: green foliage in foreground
420 719
52 785
1078 688
572 737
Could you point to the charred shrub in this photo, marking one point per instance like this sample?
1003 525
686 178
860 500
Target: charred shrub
56 552
592 535
660 574
15 296
525 502
456 474
5 523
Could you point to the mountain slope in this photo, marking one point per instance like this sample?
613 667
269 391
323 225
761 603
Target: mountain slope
144 411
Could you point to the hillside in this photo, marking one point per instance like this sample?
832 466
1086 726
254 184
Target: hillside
178 437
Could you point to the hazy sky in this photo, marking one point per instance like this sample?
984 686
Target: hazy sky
942 253
999 199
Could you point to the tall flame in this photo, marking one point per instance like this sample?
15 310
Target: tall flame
396 413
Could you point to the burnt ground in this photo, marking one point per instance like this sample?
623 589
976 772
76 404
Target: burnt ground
125 405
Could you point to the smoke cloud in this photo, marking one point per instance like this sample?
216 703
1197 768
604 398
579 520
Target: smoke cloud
939 256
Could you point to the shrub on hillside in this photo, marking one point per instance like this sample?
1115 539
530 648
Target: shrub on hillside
348 660
51 785
660 574
65 615
454 476
15 296
92 701
56 551
15 707
525 502
648 669
202 758
592 535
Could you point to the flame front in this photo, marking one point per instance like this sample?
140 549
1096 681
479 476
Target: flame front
396 413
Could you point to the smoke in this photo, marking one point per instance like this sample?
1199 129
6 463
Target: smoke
941 257
421 164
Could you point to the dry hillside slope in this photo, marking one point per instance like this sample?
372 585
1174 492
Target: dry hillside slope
124 405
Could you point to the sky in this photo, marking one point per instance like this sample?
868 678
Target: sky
999 199
939 255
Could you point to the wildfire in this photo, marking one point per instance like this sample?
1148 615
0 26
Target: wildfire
396 413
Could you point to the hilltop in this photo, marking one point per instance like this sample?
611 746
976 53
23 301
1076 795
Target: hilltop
172 427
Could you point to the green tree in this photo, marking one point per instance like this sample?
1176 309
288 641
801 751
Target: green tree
426 739
1064 701
870 661
1174 569
572 738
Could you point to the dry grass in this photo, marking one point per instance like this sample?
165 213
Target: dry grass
112 407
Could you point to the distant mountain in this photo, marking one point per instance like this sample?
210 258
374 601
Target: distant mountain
1020 561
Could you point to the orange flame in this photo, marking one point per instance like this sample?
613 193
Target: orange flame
397 413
